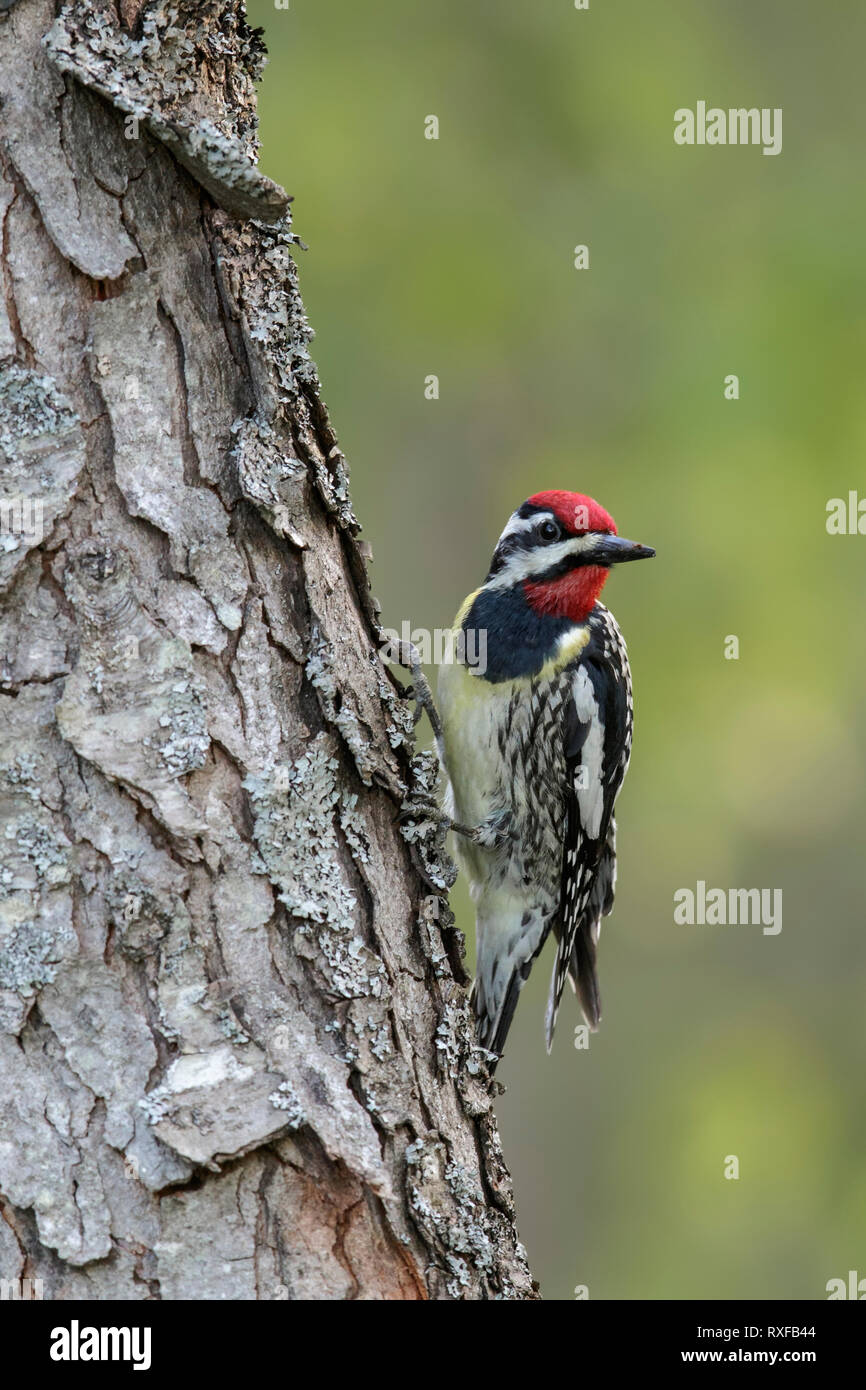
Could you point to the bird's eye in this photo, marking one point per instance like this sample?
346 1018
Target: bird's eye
549 531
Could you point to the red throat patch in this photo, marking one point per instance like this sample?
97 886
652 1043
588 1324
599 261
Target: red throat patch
572 595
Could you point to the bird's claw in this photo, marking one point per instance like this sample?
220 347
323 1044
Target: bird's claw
421 807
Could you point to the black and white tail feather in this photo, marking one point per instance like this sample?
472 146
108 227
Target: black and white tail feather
577 942
589 852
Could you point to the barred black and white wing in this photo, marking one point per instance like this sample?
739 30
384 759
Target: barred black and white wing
597 744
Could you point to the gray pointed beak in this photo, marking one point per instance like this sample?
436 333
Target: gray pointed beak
615 550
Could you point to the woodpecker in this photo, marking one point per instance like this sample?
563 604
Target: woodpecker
535 737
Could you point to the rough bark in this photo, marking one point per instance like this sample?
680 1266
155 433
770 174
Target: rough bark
236 1058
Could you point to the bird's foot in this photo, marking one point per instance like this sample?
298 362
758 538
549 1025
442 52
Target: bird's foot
419 691
495 832
492 834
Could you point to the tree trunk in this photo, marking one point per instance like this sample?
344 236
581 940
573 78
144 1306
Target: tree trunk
236 1057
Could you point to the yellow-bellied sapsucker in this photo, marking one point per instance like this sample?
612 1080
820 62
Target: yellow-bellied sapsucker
536 728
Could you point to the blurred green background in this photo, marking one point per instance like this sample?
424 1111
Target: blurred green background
455 257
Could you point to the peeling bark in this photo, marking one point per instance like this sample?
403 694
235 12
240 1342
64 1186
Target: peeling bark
236 1057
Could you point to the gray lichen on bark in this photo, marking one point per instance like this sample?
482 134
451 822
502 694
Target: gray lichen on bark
236 1056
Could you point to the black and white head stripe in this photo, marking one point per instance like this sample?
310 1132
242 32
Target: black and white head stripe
535 545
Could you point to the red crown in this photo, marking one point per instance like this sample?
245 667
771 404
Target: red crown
576 511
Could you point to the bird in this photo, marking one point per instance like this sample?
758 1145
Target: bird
535 718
